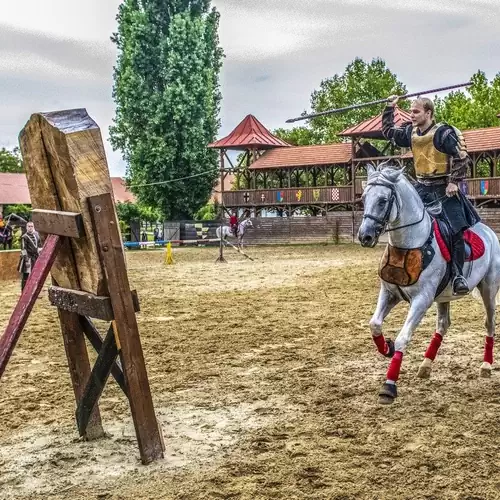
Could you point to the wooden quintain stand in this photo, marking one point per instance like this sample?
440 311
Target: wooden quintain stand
71 193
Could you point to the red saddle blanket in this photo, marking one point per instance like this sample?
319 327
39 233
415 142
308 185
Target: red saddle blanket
474 245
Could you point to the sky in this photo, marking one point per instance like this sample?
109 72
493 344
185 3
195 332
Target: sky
57 54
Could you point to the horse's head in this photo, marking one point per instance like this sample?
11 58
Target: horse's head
381 202
246 223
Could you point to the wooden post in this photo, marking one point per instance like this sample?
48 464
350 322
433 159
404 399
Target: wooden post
97 381
221 215
353 180
109 244
66 166
95 339
79 367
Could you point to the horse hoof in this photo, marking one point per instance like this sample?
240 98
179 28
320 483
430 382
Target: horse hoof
425 368
387 394
485 370
392 350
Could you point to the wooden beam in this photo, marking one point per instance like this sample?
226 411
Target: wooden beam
79 367
27 300
109 244
43 195
95 339
86 304
68 224
97 381
77 165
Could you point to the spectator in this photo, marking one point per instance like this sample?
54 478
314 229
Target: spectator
30 249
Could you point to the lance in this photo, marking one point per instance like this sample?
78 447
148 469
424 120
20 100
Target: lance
379 101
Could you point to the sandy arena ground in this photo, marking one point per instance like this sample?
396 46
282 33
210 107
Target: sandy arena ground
265 381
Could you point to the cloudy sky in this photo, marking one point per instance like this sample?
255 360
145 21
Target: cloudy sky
57 54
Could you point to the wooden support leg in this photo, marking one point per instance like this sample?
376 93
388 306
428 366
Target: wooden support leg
112 256
79 367
27 300
95 339
97 381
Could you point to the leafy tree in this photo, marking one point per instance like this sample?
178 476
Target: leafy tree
21 210
211 211
360 82
10 161
128 211
476 107
298 136
167 98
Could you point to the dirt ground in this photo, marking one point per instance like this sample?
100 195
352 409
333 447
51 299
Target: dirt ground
265 381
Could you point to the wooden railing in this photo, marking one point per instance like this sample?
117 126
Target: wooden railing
293 196
474 188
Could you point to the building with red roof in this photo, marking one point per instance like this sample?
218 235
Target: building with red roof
14 190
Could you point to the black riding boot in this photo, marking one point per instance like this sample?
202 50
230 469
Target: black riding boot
459 283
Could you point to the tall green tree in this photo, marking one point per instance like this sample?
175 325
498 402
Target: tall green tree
476 107
168 98
360 82
10 161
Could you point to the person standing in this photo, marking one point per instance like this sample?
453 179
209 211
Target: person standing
30 249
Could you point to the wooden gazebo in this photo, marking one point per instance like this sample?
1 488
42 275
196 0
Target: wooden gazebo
251 138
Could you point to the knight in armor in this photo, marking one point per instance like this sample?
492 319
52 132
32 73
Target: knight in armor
441 160
30 248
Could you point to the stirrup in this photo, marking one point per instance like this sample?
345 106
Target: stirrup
462 290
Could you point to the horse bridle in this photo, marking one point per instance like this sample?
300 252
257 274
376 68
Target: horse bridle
385 219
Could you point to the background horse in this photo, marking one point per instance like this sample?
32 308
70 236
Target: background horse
391 204
226 231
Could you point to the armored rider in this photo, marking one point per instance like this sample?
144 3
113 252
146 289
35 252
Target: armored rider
440 158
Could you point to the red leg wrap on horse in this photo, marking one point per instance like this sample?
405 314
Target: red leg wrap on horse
488 350
433 348
381 344
395 366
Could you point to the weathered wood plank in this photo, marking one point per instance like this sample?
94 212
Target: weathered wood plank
96 382
141 404
43 194
68 224
27 300
85 304
95 339
78 166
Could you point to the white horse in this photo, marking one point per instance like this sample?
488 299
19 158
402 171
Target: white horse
226 232
391 204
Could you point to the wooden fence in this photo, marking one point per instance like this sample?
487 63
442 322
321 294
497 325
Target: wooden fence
337 227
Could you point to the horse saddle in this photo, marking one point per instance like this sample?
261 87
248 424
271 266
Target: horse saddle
403 267
474 245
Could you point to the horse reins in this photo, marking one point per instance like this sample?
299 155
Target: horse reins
385 219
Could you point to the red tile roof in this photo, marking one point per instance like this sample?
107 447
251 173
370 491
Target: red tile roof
372 128
14 190
250 133
302 156
120 191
